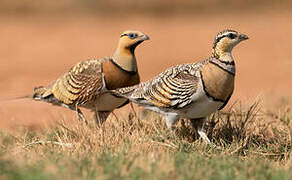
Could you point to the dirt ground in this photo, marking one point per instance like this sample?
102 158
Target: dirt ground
36 50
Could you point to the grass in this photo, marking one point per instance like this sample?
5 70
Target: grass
252 142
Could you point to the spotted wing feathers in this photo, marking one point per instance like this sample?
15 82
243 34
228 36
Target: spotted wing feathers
78 86
173 88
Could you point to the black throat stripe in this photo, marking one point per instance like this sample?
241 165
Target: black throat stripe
117 65
226 70
227 62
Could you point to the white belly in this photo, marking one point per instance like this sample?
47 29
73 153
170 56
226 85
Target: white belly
107 102
201 106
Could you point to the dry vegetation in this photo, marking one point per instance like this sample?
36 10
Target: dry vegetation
251 142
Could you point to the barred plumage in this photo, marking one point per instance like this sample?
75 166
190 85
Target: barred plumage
86 84
193 90
80 84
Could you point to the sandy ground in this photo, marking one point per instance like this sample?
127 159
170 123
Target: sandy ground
35 51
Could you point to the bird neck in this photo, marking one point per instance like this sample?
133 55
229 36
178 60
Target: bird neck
223 53
125 58
222 57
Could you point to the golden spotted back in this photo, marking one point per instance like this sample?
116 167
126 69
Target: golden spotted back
81 84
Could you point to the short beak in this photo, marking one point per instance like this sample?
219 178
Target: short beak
243 37
144 37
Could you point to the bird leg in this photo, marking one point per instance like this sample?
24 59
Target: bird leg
81 116
171 119
101 116
199 124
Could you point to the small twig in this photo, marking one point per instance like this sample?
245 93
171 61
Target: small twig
132 107
156 129
66 128
135 114
114 114
239 114
241 147
165 144
268 154
69 145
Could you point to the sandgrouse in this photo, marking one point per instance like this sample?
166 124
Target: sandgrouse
86 84
192 90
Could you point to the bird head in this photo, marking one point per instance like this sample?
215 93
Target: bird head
124 55
131 39
226 40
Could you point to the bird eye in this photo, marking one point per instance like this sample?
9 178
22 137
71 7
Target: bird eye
132 35
231 36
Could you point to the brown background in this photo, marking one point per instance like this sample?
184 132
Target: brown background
39 41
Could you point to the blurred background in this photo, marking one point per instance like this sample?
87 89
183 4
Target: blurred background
40 40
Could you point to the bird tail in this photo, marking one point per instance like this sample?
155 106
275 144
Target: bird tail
45 94
16 98
38 92
133 93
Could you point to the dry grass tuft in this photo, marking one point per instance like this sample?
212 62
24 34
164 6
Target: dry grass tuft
141 140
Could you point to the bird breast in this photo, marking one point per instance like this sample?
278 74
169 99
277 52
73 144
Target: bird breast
218 83
115 77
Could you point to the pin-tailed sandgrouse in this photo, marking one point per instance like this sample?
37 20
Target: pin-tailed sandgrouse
85 84
192 90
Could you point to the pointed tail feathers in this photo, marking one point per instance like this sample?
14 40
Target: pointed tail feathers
37 95
38 92
16 98
133 93
45 94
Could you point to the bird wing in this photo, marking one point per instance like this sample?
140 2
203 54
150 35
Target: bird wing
80 84
173 88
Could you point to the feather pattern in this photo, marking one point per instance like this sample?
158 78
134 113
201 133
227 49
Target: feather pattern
81 84
171 89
